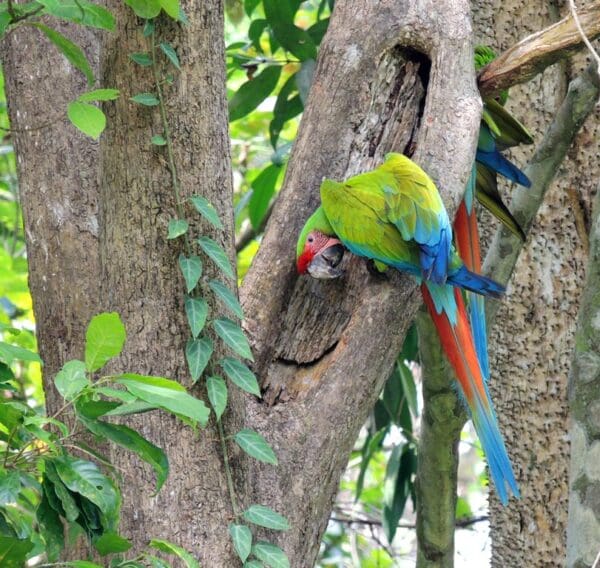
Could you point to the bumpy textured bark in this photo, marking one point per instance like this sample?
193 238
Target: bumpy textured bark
532 340
583 535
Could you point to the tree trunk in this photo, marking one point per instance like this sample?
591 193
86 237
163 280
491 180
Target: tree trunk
532 339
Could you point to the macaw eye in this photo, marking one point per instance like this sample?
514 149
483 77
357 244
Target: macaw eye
311 239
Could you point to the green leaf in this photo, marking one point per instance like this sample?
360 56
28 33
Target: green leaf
111 543
51 529
197 355
255 30
233 335
82 564
241 536
265 517
133 441
146 99
191 268
179 402
143 59
171 54
177 227
271 555
84 477
58 495
148 28
10 485
170 548
206 209
288 105
217 394
217 255
171 7
13 551
263 189
253 92
72 52
158 140
196 310
80 12
292 38
8 353
240 375
255 445
99 95
87 118
104 339
227 297
250 5
156 562
145 8
253 564
71 379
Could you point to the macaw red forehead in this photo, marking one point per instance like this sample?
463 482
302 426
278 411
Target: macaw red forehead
314 244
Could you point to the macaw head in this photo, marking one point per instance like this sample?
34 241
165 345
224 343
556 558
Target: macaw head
319 252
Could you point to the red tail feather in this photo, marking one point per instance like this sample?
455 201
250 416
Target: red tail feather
467 238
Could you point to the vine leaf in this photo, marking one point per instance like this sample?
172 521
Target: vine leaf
171 54
197 354
158 140
240 375
171 7
99 95
177 227
146 99
217 395
233 335
255 446
265 517
142 59
145 8
217 255
227 297
191 268
196 310
242 540
206 209
170 548
87 118
111 543
271 555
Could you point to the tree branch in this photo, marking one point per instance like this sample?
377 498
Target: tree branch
536 52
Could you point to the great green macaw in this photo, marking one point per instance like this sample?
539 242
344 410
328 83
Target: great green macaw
394 215
499 130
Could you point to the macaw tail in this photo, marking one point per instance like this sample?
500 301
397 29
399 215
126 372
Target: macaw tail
464 278
466 235
459 347
497 162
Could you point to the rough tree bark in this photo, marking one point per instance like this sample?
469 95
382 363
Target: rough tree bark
532 340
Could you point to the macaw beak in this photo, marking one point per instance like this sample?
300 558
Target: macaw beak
325 264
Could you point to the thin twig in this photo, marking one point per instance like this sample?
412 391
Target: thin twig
250 232
583 35
460 523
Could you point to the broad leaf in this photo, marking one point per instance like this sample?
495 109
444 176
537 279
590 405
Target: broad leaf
80 12
145 8
10 485
263 189
132 440
146 99
253 92
271 555
294 39
265 517
242 540
217 395
197 354
170 548
191 268
240 375
104 339
177 227
141 58
196 310
51 529
171 7
153 390
233 335
8 353
84 477
13 551
227 297
99 95
158 140
206 209
70 50
217 255
71 379
87 118
111 543
255 445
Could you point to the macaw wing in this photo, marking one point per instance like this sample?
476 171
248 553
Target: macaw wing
507 130
357 213
415 207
